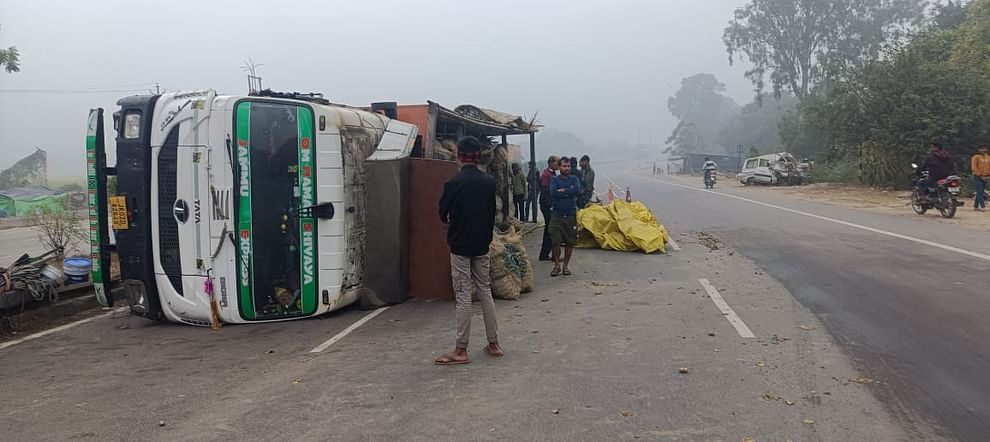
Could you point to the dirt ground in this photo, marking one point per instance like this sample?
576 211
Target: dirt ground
892 202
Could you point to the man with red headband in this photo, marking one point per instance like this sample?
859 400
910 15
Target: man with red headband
468 206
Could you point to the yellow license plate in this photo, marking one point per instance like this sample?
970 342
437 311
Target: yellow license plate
118 213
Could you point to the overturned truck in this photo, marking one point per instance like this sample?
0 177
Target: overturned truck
237 208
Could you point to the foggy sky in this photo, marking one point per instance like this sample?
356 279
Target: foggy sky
602 70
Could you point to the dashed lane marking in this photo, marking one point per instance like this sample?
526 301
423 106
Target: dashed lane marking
727 311
41 334
347 331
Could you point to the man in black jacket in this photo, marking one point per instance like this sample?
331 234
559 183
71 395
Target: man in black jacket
939 166
468 206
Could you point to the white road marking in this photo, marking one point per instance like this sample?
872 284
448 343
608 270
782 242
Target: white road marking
730 315
673 245
59 328
949 248
347 331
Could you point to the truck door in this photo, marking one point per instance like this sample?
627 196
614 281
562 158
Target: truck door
275 178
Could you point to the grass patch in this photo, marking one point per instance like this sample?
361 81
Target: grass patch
846 172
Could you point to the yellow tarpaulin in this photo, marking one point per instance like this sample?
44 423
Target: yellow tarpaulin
622 226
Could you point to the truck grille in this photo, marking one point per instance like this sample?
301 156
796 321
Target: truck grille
168 227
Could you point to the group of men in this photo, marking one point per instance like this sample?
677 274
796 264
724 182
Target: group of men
467 206
939 165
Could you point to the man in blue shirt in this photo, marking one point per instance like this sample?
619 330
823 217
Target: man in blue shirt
564 190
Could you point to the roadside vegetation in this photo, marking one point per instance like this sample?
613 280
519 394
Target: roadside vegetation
863 87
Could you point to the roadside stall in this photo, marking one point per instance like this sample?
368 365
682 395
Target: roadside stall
434 163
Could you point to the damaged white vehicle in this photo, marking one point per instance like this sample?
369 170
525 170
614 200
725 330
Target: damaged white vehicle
235 208
775 169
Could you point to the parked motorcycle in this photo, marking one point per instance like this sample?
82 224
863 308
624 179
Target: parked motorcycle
710 178
944 196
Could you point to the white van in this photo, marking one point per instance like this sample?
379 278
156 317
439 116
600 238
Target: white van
773 169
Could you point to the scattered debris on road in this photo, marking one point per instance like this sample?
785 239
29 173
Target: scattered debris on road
683 370
776 340
708 240
861 381
806 327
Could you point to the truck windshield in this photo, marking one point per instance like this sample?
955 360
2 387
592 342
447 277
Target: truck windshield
276 247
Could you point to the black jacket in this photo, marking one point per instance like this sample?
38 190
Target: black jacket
468 205
939 165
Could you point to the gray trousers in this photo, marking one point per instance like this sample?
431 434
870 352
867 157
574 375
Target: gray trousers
465 274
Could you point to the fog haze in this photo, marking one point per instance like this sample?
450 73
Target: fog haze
601 70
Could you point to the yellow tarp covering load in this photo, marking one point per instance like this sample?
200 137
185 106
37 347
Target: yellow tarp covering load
622 226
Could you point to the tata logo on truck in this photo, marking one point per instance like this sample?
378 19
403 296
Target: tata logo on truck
242 161
245 258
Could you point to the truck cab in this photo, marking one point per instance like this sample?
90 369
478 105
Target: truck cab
236 208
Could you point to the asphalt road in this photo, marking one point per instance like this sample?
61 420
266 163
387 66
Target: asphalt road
907 298
591 357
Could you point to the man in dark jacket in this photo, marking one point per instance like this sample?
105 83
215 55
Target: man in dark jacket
939 166
546 204
468 206
565 189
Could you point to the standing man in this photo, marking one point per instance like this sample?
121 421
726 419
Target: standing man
981 176
546 204
468 207
588 180
534 189
563 222
519 186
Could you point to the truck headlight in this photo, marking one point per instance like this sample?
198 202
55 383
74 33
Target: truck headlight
132 126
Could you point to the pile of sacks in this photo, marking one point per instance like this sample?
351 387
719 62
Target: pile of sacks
511 270
622 226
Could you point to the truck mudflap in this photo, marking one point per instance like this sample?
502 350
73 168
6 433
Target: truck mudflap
99 233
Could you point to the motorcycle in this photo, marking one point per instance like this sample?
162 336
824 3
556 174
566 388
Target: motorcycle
710 178
944 196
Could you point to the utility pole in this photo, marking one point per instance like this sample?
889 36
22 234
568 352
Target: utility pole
739 157
158 89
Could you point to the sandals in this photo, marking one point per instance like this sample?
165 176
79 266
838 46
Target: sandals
493 353
554 273
566 272
449 360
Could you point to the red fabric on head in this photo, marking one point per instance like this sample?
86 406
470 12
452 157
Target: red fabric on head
469 157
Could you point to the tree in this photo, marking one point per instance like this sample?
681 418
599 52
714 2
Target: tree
757 124
10 59
702 110
949 15
791 41
883 116
59 229
685 139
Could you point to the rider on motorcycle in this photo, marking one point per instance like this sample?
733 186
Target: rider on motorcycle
709 166
938 165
